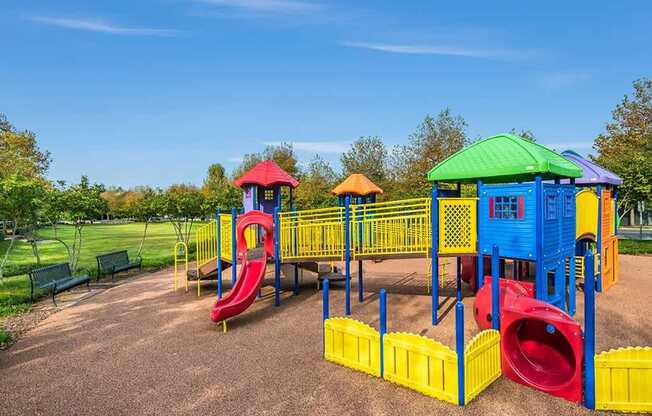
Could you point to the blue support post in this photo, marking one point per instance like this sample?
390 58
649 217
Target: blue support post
459 348
541 281
589 331
615 210
325 311
277 261
383 328
347 256
572 272
234 248
360 287
458 277
598 242
495 288
434 243
296 279
479 274
218 254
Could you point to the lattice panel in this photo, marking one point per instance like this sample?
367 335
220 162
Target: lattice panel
457 225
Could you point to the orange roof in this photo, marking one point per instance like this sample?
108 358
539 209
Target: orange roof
357 184
266 174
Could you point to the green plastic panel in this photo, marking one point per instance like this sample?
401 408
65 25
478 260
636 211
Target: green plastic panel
502 159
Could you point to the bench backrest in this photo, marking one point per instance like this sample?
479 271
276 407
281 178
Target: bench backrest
46 275
117 258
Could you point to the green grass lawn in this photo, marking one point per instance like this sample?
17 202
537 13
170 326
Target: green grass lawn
157 252
635 247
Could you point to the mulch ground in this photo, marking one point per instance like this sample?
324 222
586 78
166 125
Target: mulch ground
140 348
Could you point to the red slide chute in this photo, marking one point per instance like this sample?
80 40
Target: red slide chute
541 345
243 294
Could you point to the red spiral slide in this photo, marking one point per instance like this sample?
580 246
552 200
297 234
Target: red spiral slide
243 294
541 345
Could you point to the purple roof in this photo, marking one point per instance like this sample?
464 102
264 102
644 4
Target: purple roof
593 174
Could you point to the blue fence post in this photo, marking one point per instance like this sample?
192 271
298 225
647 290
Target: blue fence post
459 348
495 288
347 255
325 299
598 242
383 328
360 287
479 271
589 331
541 280
218 254
434 243
234 248
277 261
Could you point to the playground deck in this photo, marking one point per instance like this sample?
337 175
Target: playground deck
139 348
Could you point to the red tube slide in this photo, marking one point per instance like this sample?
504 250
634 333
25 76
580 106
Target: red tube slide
243 294
541 345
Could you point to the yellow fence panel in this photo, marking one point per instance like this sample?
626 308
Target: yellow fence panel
623 380
457 225
352 344
391 228
206 243
312 234
481 363
422 364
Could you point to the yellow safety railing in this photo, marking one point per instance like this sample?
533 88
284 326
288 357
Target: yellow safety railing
390 228
458 231
312 234
206 243
353 344
180 255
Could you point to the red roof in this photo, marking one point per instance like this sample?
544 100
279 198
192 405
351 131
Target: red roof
266 174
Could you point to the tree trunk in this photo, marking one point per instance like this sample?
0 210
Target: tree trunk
142 241
6 256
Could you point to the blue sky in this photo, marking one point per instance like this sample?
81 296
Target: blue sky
153 91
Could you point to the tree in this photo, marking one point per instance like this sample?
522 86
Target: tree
81 203
150 203
526 134
219 191
283 154
20 198
367 155
183 204
626 146
19 152
316 185
434 140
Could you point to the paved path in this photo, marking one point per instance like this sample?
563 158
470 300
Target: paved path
139 348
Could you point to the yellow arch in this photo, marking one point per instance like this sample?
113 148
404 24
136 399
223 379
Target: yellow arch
586 206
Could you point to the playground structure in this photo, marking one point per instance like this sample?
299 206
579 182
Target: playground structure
522 212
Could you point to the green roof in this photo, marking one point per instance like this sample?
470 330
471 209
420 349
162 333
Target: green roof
502 159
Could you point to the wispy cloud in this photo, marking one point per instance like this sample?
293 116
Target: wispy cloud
267 6
435 50
316 147
557 80
102 26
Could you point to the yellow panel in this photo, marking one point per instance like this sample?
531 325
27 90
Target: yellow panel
457 225
586 206
609 262
421 364
315 233
623 380
481 363
352 344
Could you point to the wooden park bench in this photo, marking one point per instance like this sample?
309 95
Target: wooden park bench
115 262
56 278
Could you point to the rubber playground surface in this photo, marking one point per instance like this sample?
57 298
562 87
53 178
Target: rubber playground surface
140 348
